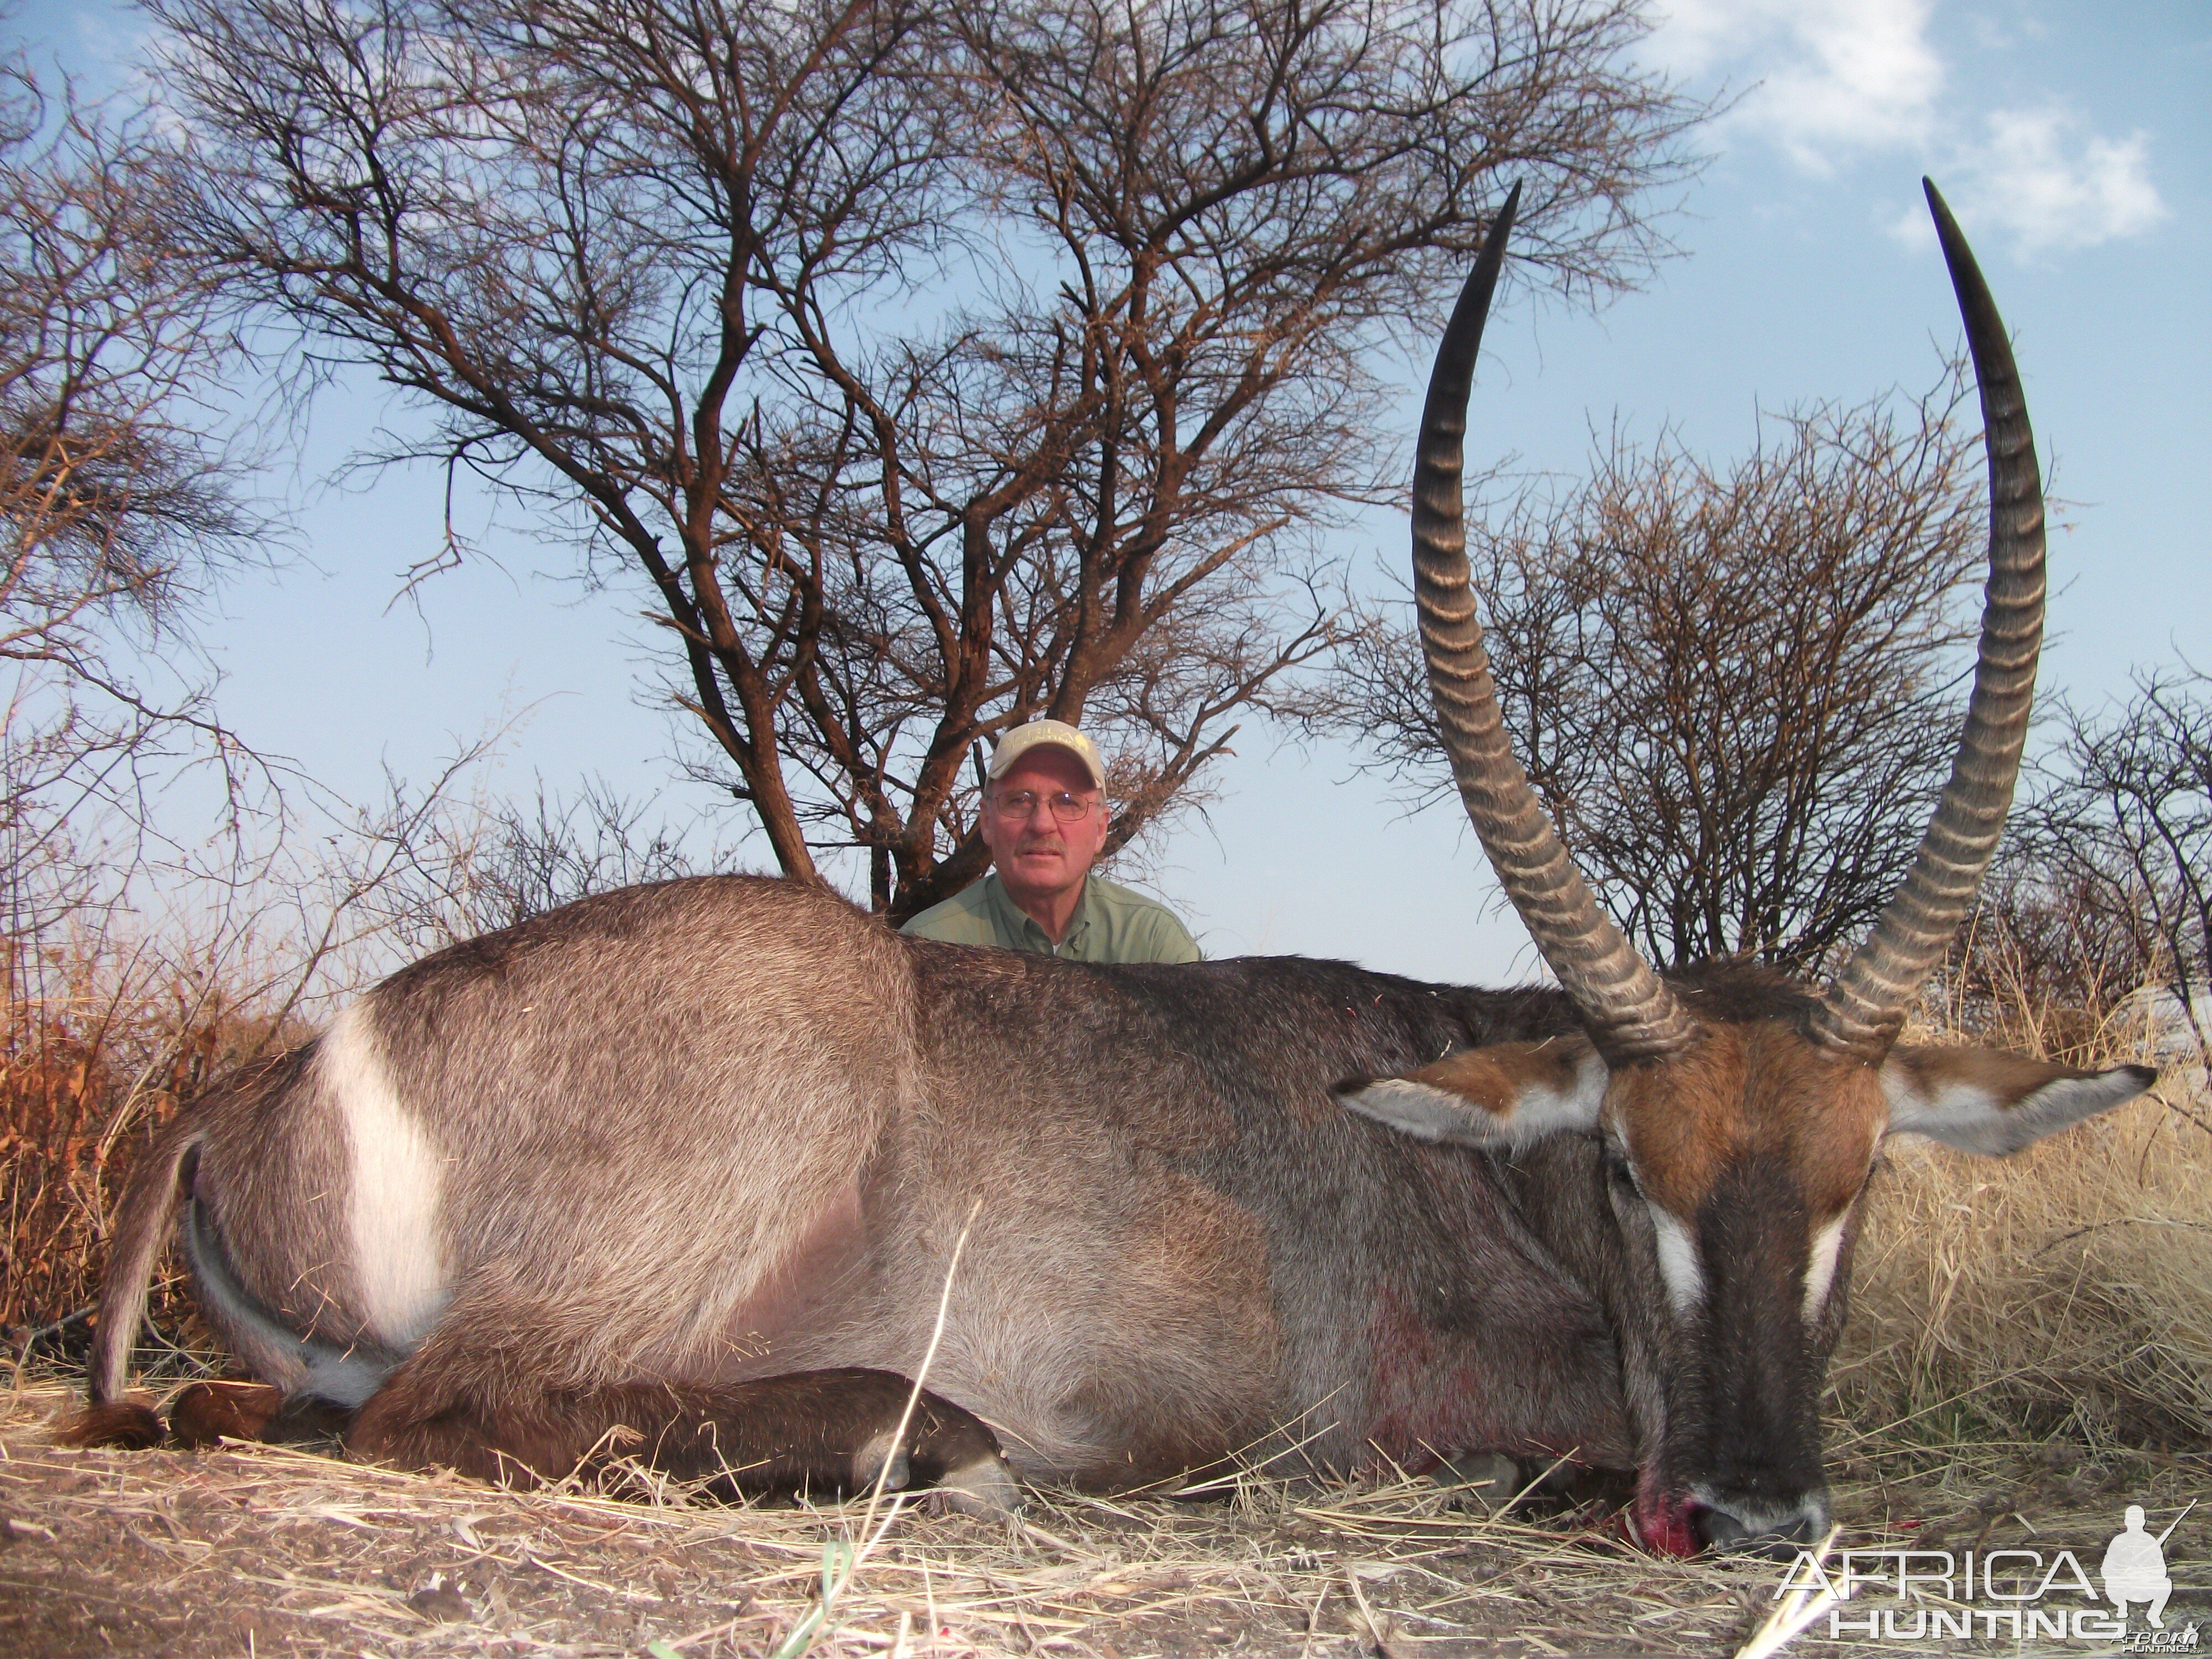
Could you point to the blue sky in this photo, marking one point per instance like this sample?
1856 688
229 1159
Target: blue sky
2073 142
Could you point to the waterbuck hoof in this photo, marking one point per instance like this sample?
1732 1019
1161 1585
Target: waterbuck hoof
882 1459
124 1424
985 1489
207 1414
1488 1481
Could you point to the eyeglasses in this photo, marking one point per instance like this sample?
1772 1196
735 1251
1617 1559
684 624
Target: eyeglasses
1021 805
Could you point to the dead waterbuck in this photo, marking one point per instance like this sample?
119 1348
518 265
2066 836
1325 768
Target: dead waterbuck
677 1171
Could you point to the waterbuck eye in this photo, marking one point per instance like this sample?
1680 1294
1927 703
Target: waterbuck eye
1621 1173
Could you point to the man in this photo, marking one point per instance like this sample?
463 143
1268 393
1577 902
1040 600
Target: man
1044 820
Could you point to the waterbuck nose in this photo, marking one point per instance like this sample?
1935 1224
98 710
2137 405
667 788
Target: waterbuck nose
1753 1527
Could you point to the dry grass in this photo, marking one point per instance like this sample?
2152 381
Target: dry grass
316 1557
84 1080
263 1549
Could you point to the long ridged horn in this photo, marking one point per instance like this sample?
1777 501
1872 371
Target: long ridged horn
1862 1013
1630 1013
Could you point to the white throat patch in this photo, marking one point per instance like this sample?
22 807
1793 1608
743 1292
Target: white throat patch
1820 1267
1678 1261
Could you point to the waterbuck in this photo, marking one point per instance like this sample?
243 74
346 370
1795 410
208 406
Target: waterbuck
678 1172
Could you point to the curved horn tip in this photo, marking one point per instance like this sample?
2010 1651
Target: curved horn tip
1947 222
1966 278
1501 227
1473 304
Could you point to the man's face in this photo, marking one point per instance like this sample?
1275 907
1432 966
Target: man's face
1038 856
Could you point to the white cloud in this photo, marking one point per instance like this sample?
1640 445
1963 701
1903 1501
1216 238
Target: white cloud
2041 181
1822 77
2054 185
1826 80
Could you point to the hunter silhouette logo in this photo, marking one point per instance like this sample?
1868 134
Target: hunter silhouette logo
2135 1566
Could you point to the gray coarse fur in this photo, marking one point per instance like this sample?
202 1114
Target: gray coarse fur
729 1128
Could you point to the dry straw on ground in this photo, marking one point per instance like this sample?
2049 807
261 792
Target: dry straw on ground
2029 1353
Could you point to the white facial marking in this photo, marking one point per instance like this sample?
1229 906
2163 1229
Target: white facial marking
393 1206
1820 1267
1678 1261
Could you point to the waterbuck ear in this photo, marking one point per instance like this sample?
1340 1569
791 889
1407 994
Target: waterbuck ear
1506 1095
1981 1100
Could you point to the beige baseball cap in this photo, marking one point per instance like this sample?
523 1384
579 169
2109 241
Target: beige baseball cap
1057 734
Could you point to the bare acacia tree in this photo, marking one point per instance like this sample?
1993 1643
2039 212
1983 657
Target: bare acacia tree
2120 831
2054 946
120 481
114 487
1733 689
934 363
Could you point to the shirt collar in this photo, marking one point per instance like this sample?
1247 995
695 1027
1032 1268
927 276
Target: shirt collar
1019 924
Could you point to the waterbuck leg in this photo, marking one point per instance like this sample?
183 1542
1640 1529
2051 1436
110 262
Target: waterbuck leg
831 1431
207 1411
825 1432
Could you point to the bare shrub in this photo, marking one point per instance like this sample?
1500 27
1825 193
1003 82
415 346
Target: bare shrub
2091 930
122 467
118 487
457 874
1734 689
101 1048
2124 820
2048 960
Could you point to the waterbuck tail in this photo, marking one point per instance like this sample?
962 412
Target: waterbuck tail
142 1230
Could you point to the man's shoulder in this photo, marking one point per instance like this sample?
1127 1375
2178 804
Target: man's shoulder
1147 929
1128 899
963 918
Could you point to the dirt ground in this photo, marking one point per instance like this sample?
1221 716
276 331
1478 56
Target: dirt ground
256 1550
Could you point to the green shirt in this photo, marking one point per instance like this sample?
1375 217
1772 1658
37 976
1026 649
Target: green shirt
1110 924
